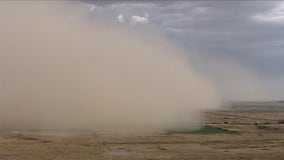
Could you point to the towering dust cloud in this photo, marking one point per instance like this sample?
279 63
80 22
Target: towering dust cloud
59 69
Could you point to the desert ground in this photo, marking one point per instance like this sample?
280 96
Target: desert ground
240 131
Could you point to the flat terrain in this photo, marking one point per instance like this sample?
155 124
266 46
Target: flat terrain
242 134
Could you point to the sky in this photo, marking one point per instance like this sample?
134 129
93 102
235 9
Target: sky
242 37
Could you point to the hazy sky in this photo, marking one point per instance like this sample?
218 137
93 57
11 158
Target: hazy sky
251 33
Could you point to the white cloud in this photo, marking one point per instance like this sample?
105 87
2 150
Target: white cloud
276 15
120 18
138 20
133 20
92 8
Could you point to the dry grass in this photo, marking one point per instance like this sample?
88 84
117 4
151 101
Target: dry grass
253 140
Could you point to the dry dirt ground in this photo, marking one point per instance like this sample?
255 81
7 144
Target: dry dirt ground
258 135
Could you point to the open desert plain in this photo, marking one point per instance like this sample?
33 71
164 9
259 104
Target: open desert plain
240 131
141 80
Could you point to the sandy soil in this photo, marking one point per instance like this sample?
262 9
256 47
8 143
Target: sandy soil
258 136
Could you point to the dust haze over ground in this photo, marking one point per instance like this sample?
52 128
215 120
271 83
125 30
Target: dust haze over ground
60 70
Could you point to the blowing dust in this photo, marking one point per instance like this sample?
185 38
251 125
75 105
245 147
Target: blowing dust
59 69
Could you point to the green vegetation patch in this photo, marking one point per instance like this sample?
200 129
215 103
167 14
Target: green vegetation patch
204 130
